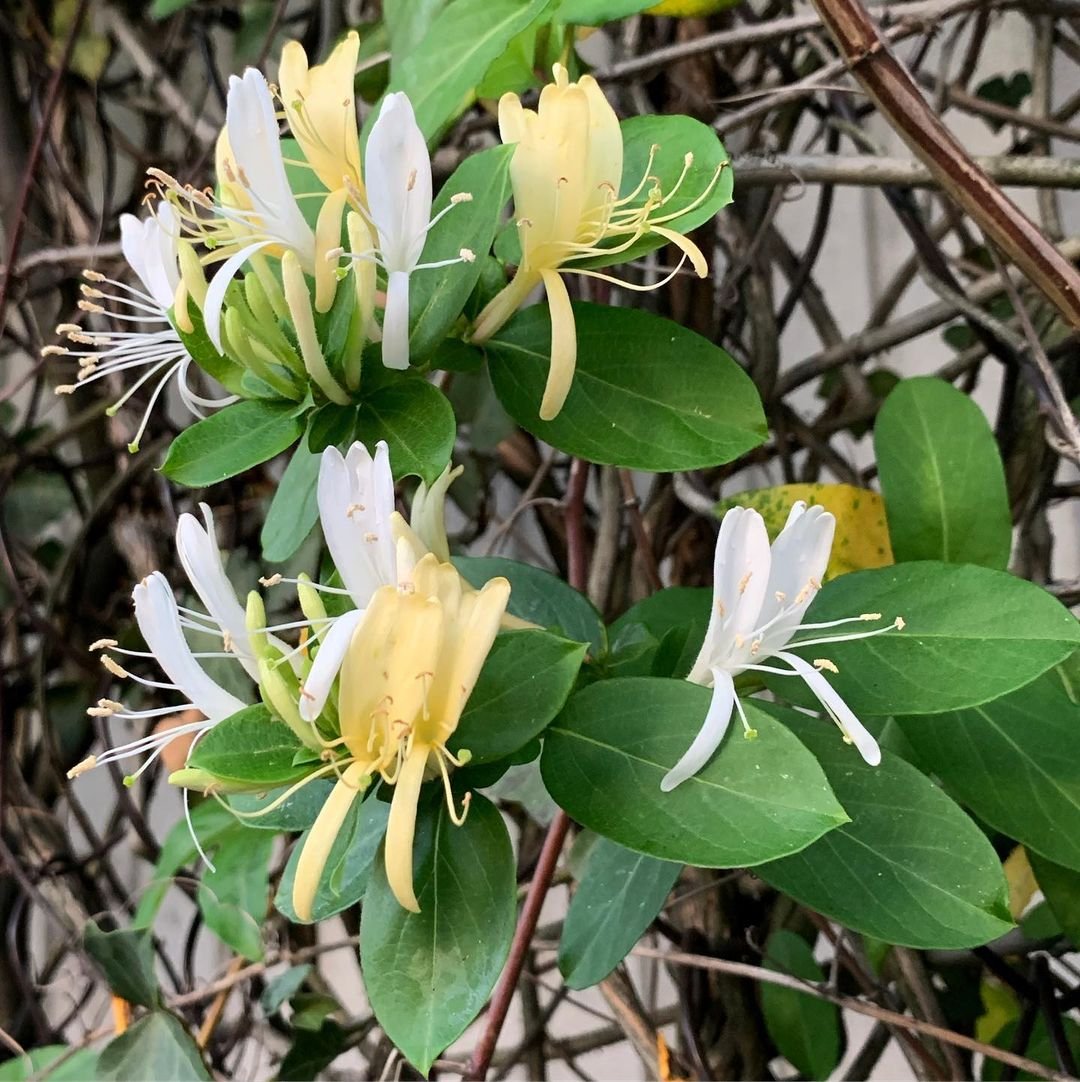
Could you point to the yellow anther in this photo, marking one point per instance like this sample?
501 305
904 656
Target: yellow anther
114 667
103 644
270 580
826 664
81 768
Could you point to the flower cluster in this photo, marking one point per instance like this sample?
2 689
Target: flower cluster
375 692
239 279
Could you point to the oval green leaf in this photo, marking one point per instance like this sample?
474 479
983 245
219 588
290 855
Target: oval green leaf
250 747
522 686
941 477
230 441
910 868
539 596
417 422
428 974
1015 761
605 755
648 394
617 899
970 635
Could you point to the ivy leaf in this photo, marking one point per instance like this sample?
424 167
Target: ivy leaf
126 957
156 1046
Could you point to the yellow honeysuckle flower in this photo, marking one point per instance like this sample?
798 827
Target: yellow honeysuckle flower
410 667
320 110
565 175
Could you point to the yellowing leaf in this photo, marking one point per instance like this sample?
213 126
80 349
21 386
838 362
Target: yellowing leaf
1001 1009
1021 880
686 8
91 52
862 538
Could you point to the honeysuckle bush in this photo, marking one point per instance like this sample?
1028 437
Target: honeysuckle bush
862 699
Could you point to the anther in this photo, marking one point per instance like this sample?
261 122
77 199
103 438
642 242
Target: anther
826 664
467 255
227 640
103 644
744 582
93 275
89 306
271 580
461 197
411 182
870 616
354 508
54 351
370 537
899 624
69 328
65 388
114 667
81 768
90 291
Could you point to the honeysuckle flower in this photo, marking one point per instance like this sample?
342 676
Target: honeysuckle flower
397 168
256 213
320 110
371 545
760 595
149 346
565 173
409 669
162 623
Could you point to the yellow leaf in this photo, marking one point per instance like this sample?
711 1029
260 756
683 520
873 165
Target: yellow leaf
862 538
1001 1009
684 9
1021 881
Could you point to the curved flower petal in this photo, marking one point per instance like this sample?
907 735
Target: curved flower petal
327 664
401 828
709 735
158 618
219 284
197 547
838 710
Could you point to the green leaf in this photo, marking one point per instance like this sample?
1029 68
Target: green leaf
348 867
805 1030
658 146
294 509
910 868
427 974
675 617
970 635
617 899
648 394
162 9
437 297
156 1047
407 24
251 747
1015 762
598 12
460 44
1061 888
417 423
233 896
605 755
942 477
313 1051
522 686
1039 1048
126 957
539 596
230 441
295 813
78 1065
209 822
282 987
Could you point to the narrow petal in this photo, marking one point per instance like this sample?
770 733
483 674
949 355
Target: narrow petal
321 838
563 346
709 735
395 343
197 547
159 622
332 650
401 828
219 284
397 170
838 710
328 237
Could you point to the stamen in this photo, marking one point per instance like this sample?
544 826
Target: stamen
826 664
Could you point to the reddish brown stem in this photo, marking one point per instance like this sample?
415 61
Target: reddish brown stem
480 1060
898 97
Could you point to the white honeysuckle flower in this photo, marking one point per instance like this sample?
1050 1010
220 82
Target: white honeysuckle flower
760 595
162 623
397 172
150 346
